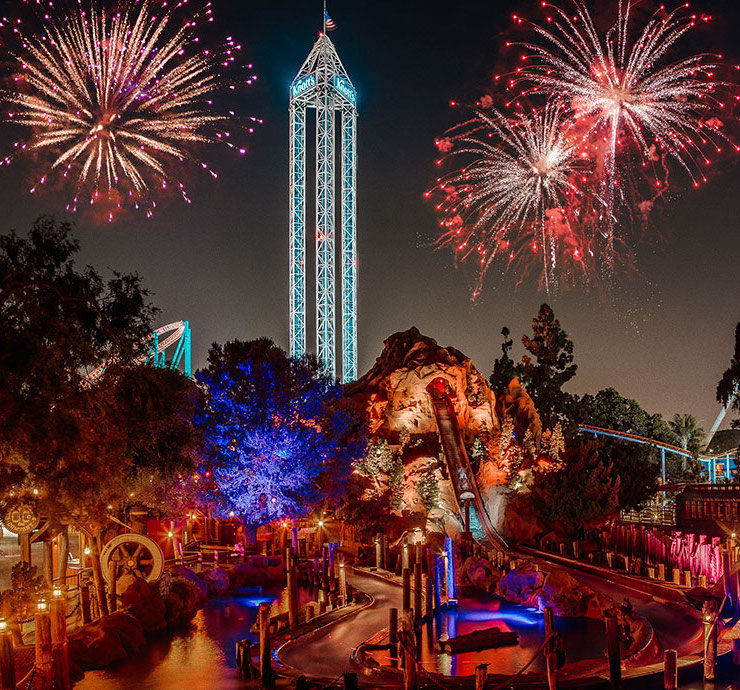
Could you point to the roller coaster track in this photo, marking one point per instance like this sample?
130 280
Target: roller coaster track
461 473
708 460
161 339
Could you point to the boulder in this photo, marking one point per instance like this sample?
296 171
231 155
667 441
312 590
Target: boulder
522 585
106 640
192 576
217 581
182 598
567 596
480 574
145 604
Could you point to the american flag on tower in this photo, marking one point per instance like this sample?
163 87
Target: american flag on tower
329 23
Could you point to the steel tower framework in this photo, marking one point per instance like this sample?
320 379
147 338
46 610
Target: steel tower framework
322 84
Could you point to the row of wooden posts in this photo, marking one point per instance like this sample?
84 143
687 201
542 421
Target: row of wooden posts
326 578
420 604
51 666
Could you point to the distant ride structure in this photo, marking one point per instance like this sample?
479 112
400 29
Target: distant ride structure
720 463
323 85
177 334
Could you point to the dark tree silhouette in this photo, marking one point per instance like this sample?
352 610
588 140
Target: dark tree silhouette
504 368
729 385
548 367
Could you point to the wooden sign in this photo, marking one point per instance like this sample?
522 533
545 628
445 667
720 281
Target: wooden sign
21 517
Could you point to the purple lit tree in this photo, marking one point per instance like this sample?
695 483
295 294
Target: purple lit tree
279 437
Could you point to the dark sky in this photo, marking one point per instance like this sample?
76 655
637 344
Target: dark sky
222 262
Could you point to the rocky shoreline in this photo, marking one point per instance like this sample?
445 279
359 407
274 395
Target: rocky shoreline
529 585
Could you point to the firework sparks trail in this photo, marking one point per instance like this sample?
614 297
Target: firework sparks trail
119 100
618 88
508 200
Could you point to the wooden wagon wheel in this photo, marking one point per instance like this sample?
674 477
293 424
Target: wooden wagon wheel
135 556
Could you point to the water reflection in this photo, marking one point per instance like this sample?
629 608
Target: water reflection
201 658
583 639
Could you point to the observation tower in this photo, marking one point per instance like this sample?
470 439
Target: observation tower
322 85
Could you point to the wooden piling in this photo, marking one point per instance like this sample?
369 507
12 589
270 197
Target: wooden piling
393 634
418 594
60 652
343 583
428 597
551 658
7 660
405 557
292 576
85 602
710 640
481 676
265 652
244 659
409 666
406 579
613 654
384 553
44 656
349 681
670 669
378 552
112 598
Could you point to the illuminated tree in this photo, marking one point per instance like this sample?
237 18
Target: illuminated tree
279 439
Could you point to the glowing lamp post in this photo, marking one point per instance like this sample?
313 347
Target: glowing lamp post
450 572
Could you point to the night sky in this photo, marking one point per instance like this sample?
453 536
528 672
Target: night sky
663 338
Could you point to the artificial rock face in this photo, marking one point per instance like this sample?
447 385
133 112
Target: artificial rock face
393 394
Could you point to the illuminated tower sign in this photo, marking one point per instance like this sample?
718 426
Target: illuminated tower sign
322 84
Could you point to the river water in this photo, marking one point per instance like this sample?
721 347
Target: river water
201 659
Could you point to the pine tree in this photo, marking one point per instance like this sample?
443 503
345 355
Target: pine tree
548 367
585 492
504 368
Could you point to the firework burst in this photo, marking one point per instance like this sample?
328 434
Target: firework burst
625 93
508 195
118 101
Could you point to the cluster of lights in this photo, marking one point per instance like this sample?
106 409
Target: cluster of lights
528 190
121 100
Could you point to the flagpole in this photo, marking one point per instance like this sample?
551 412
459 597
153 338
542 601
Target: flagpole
324 17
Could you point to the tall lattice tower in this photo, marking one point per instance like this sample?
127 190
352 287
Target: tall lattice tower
322 84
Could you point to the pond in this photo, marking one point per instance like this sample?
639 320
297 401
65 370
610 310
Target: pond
203 657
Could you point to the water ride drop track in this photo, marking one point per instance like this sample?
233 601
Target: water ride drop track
461 473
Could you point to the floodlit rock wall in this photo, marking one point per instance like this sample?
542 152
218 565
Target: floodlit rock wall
393 394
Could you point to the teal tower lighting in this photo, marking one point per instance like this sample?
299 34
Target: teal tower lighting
322 85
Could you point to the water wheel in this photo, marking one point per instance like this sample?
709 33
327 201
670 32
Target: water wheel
135 556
